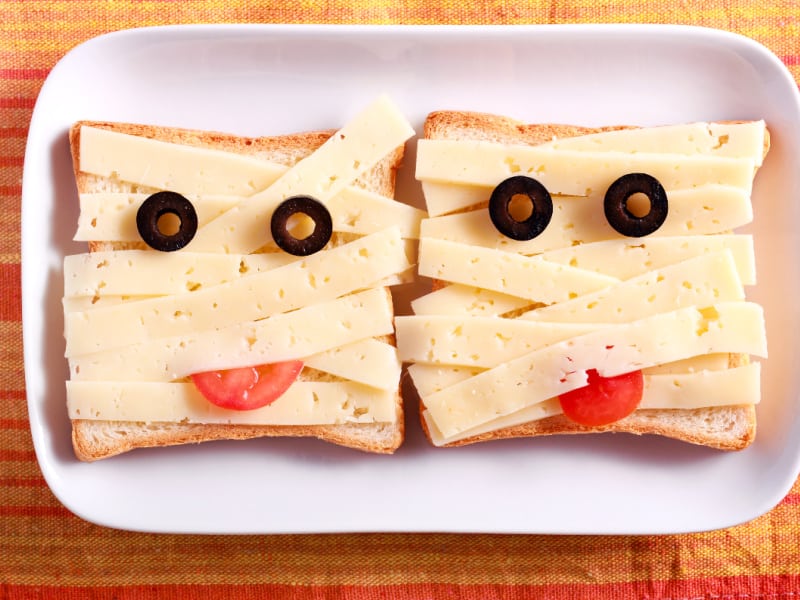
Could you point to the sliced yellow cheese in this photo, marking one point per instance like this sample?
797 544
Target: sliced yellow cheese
735 140
304 403
739 386
465 300
288 336
143 272
350 152
476 341
109 216
736 327
317 278
443 198
700 281
162 165
369 361
704 210
506 272
627 258
569 172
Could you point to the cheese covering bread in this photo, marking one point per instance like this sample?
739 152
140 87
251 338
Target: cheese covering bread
498 329
157 356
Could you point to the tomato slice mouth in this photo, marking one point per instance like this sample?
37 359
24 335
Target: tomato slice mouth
603 400
247 388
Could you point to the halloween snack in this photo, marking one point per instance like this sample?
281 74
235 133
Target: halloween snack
586 280
236 287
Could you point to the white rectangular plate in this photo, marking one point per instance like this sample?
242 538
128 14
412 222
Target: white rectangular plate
259 80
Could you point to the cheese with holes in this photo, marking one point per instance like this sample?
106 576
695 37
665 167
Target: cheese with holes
466 300
704 210
294 335
316 278
304 403
571 172
731 387
736 327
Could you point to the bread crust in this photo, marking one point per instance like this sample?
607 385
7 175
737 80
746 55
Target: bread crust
93 440
724 428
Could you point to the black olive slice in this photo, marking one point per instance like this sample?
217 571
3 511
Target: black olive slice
541 208
316 211
619 215
155 207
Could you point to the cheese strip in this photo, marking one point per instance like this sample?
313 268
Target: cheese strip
110 216
506 272
734 140
477 341
465 300
739 386
317 278
430 378
443 198
304 403
288 336
162 165
736 327
148 273
704 210
700 281
571 172
369 361
627 258
346 155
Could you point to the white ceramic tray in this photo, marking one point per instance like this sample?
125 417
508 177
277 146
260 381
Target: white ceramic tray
259 80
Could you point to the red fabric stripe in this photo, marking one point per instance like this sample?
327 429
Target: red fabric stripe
791 59
17 455
11 302
32 511
13 132
23 73
12 395
17 102
700 589
22 482
14 424
11 161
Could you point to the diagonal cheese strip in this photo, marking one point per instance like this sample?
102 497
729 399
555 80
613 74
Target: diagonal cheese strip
111 216
369 361
570 172
736 327
700 281
288 336
478 341
350 152
317 278
704 389
455 299
430 378
703 210
304 403
506 272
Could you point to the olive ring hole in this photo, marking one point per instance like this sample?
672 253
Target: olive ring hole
520 208
636 205
166 221
301 225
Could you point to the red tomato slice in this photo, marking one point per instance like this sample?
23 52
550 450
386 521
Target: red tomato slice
603 400
248 387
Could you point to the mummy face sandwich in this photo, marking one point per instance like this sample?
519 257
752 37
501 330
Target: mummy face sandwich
236 287
586 280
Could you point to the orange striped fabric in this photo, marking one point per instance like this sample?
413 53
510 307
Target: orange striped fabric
47 552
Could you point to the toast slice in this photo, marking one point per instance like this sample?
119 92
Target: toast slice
95 439
723 427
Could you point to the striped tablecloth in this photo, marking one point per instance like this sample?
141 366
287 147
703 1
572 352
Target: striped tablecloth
45 551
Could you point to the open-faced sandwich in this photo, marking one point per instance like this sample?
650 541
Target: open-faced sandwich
586 280
236 287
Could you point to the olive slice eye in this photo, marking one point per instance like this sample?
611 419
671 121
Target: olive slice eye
316 211
149 221
619 214
501 213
